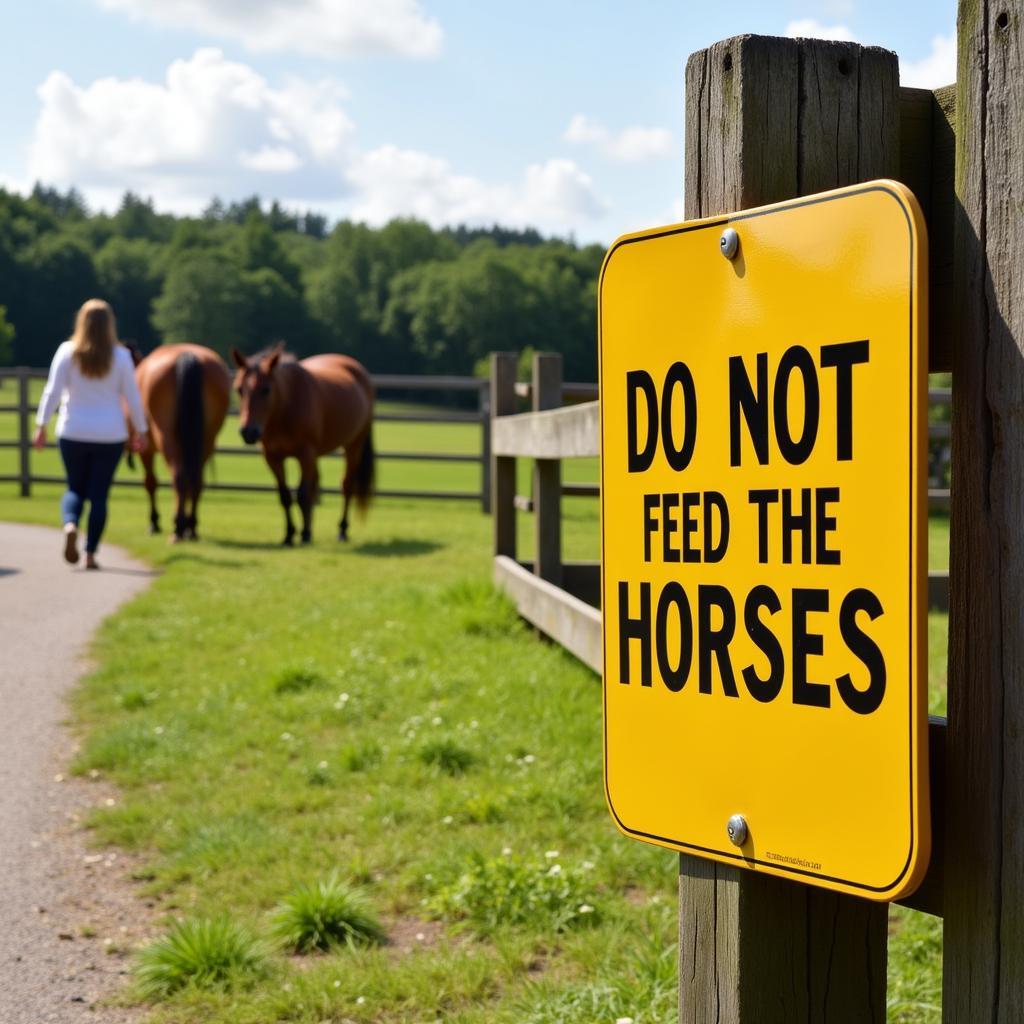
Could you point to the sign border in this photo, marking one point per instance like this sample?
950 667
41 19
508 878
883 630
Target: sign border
908 206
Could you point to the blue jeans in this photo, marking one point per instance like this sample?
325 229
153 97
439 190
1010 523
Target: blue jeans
89 467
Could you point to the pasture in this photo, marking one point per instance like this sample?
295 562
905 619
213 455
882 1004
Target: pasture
375 710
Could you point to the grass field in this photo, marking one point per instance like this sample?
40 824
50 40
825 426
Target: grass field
377 713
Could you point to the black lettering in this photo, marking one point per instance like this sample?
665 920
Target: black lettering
715 552
763 690
650 504
715 641
674 596
668 527
793 451
635 629
640 381
861 701
796 522
753 407
762 499
815 695
844 357
824 524
691 499
679 457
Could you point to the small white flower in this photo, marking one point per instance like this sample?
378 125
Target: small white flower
529 759
343 697
159 730
624 1020
474 724
322 765
420 937
109 802
447 819
287 737
362 999
337 984
585 908
506 851
587 865
555 869
436 720
551 854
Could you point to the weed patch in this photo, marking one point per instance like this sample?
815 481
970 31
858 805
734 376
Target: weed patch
447 756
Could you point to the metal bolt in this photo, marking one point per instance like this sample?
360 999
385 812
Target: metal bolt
729 243
737 829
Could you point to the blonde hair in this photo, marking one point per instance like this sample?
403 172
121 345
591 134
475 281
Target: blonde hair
95 338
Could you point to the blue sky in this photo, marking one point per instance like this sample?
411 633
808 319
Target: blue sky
567 116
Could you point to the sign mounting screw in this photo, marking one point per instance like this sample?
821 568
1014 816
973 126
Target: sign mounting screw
729 243
737 829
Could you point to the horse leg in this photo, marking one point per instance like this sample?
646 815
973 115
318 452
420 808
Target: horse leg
180 499
276 465
151 484
353 453
307 492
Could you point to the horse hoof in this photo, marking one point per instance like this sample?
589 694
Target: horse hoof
288 542
307 540
343 537
154 529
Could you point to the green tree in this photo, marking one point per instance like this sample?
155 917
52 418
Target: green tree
130 272
6 339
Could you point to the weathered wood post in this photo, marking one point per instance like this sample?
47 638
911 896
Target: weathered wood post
503 468
769 119
547 474
24 433
484 406
983 978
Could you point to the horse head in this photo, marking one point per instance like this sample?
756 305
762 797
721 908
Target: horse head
255 385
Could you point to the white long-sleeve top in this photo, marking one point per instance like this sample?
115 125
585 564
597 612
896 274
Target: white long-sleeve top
90 407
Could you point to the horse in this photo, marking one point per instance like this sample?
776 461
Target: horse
303 410
186 391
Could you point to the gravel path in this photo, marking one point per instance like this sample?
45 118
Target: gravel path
67 911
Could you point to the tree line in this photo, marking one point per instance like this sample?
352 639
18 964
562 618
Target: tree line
403 298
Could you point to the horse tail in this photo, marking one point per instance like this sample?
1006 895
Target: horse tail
363 481
190 424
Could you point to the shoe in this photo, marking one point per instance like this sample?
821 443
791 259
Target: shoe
90 561
70 543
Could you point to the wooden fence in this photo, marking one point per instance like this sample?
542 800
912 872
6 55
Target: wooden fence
766 120
481 415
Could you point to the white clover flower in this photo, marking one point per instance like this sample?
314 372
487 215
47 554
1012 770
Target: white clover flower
529 759
506 851
287 737
624 1020
436 720
322 765
447 819
587 865
551 854
555 869
585 908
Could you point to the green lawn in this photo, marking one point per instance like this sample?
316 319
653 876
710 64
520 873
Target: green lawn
375 710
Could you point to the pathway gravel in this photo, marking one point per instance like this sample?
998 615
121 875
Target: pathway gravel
68 912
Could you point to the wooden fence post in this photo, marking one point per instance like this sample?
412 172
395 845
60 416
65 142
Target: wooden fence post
503 468
983 975
547 474
484 406
769 119
24 433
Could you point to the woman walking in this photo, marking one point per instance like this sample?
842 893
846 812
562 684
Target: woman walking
93 378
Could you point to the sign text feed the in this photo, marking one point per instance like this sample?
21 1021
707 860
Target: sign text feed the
763 422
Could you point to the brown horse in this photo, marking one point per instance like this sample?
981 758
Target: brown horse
186 390
304 410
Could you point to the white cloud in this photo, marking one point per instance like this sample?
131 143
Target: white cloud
212 123
809 28
937 68
555 196
317 28
631 145
216 127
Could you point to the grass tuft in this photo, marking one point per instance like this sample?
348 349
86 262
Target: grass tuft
296 680
325 915
203 954
448 757
481 610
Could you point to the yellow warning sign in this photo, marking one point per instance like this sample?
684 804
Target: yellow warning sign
763 423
